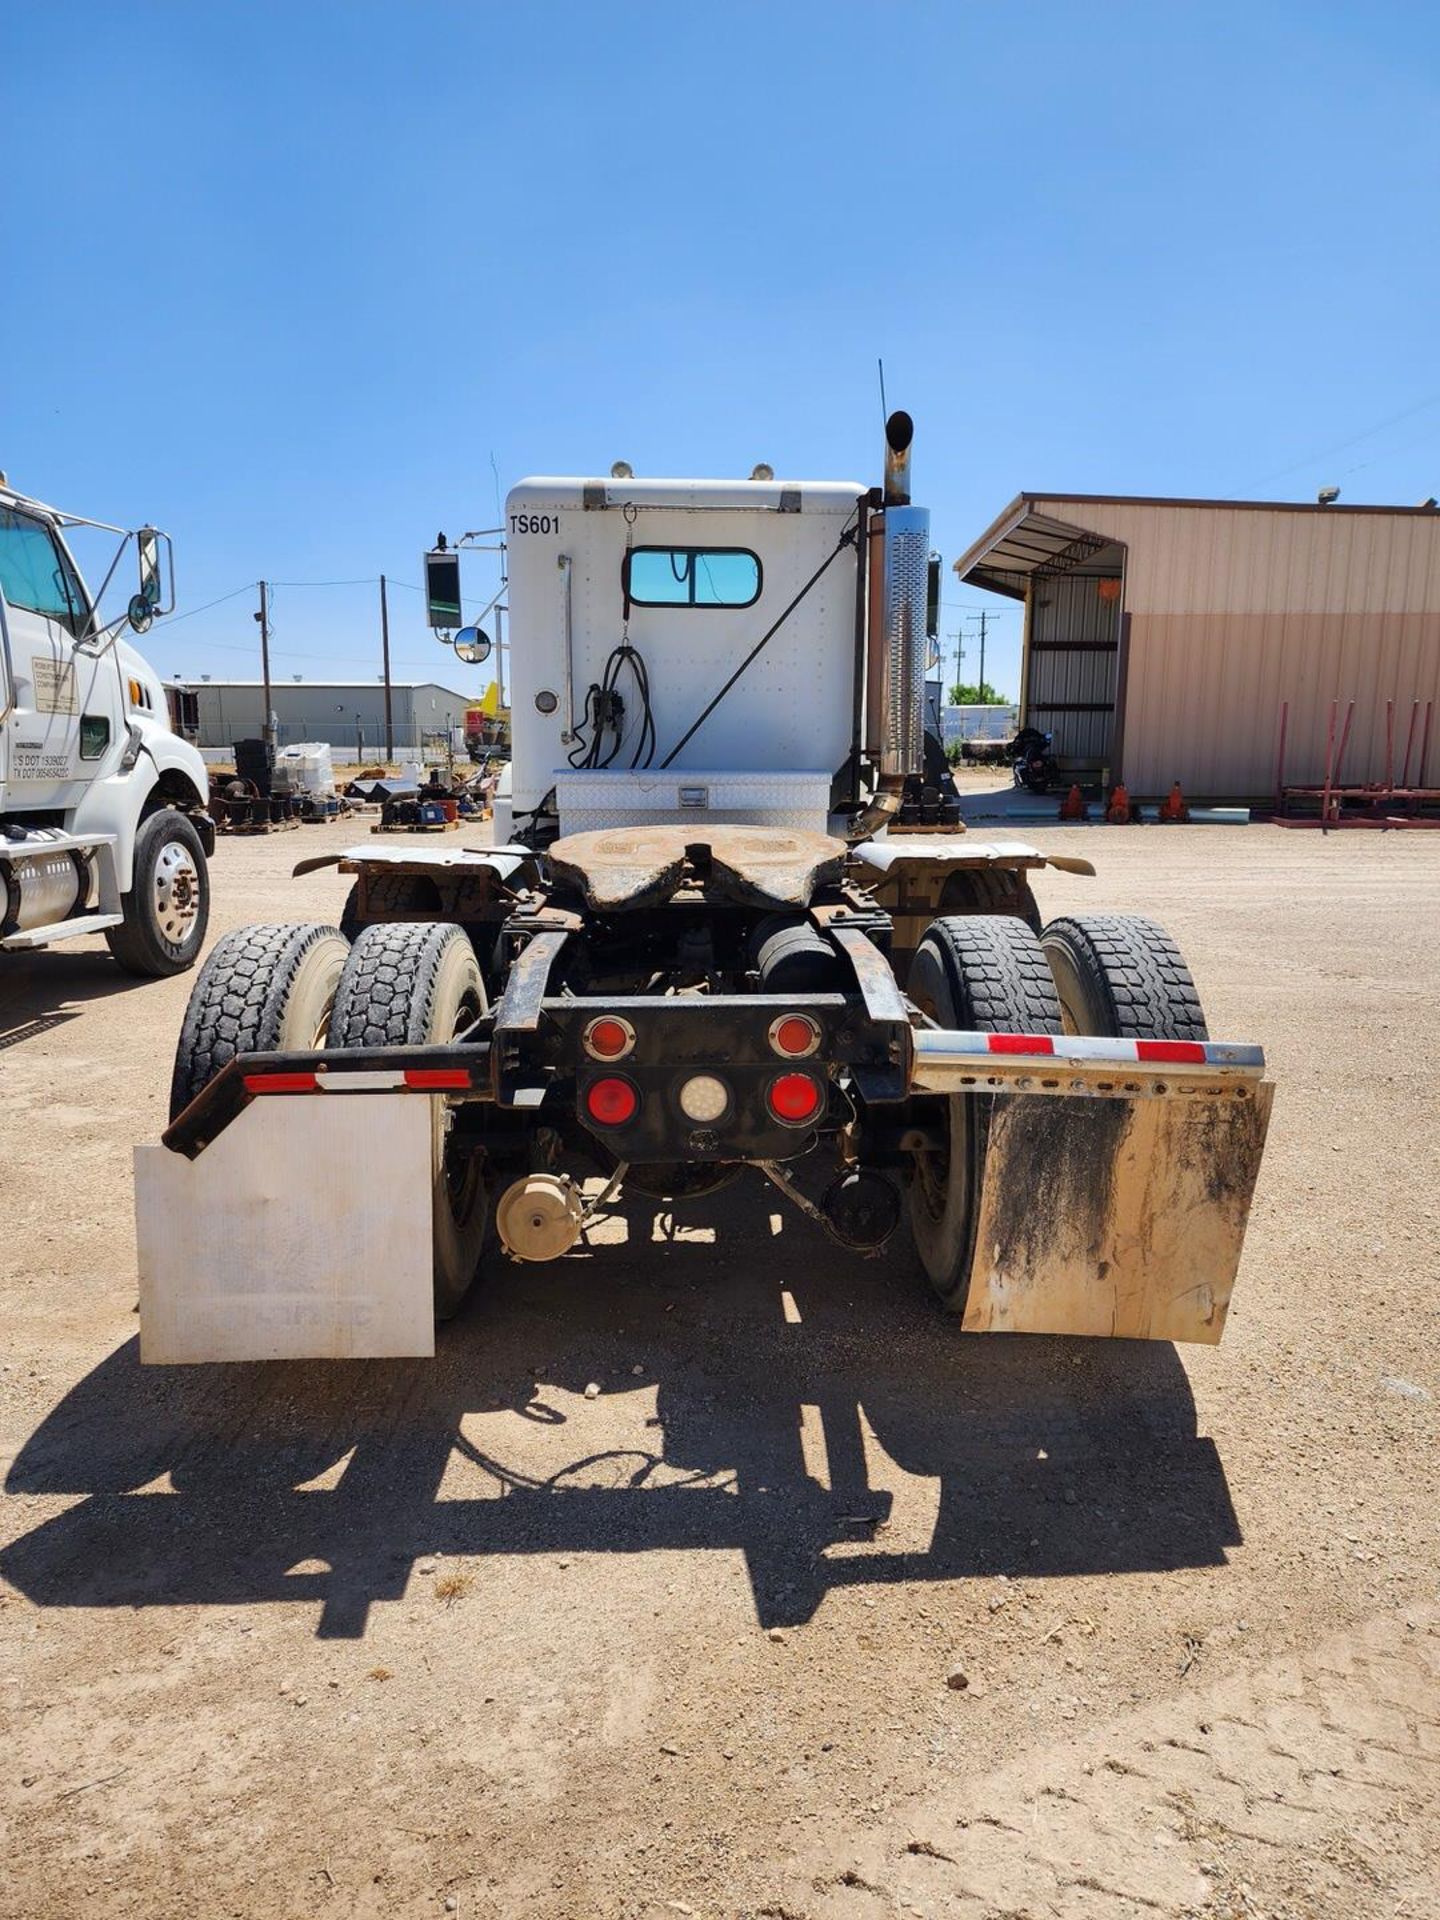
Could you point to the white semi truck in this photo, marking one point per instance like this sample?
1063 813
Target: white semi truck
103 827
715 941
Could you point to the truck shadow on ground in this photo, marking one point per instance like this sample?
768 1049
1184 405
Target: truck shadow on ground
46 989
867 1442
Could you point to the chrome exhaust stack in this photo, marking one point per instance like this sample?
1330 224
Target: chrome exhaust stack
898 652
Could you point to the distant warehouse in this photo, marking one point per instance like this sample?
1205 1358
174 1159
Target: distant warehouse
1162 636
348 713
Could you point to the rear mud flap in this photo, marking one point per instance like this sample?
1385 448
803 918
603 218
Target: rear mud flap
1122 1219
302 1232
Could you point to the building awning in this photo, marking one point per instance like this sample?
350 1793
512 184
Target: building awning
1025 544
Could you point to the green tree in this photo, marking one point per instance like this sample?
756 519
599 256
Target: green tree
965 693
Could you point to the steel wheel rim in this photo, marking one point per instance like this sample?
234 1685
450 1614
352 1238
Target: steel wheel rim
176 892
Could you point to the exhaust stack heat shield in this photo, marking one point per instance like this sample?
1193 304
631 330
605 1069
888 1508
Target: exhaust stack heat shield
907 560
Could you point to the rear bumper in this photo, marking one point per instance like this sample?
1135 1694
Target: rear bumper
952 1062
931 1061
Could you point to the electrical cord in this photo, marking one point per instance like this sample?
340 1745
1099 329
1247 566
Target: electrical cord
602 702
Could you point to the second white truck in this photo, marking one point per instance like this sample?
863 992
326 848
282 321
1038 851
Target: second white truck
103 821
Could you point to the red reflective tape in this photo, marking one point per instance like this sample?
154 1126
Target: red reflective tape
1021 1043
280 1083
1173 1050
422 1079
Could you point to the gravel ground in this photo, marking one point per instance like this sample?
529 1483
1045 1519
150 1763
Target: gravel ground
442 1637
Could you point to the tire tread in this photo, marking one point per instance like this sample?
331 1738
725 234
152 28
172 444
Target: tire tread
1140 973
387 990
998 973
238 1002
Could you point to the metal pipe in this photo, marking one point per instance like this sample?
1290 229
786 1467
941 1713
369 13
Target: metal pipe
1329 764
1280 758
899 432
569 734
1409 742
875 638
857 718
1344 740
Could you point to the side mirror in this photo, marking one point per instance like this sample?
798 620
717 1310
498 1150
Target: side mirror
472 646
141 610
146 603
442 588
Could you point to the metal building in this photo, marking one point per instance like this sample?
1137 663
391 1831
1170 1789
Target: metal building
1162 637
350 714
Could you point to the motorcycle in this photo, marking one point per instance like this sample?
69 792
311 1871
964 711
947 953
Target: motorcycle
1032 760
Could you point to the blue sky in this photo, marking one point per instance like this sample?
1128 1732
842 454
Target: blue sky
285 278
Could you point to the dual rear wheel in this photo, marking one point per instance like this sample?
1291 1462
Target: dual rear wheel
1114 974
277 989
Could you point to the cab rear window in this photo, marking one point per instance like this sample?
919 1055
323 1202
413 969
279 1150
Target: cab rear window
692 577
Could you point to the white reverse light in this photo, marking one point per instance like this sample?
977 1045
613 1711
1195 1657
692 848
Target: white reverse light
704 1099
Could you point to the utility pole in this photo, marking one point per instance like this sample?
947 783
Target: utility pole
984 624
959 640
267 728
385 653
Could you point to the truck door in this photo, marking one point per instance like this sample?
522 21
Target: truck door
44 761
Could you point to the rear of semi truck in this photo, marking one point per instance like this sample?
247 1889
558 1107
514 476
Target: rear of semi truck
700 958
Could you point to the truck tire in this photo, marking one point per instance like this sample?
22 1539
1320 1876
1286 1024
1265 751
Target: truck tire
388 894
1121 975
263 990
991 890
168 906
983 973
411 983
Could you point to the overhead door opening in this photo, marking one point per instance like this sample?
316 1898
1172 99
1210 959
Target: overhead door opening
1070 673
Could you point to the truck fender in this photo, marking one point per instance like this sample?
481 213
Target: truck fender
118 802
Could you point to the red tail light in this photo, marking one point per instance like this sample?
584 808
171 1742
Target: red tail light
794 1034
795 1098
612 1102
609 1037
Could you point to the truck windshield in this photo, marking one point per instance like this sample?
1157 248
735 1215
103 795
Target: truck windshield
692 577
34 573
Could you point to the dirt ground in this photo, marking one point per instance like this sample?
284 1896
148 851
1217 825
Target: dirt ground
410 1639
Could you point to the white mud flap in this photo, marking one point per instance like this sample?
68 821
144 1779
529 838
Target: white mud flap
302 1232
1118 1218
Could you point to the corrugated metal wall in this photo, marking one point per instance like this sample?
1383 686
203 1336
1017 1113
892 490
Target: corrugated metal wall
1234 609
312 710
1072 634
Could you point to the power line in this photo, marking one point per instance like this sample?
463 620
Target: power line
234 594
1340 446
370 580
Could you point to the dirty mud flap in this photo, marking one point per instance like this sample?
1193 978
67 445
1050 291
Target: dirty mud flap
302 1232
1120 1218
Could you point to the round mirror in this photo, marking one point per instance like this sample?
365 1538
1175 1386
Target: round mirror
472 646
140 613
